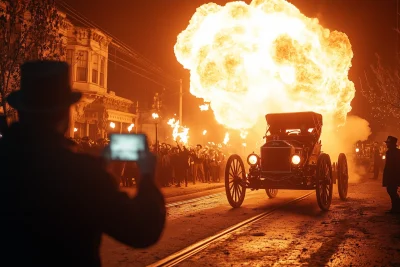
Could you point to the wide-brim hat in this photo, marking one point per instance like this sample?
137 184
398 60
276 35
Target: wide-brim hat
45 87
391 140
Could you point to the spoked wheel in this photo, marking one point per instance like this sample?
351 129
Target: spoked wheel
343 176
271 193
324 182
235 181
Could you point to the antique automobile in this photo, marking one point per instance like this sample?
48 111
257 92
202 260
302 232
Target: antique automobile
291 158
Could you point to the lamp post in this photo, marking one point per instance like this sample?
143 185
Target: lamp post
155 117
130 127
112 126
204 134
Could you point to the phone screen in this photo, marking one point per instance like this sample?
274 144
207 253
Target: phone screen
126 147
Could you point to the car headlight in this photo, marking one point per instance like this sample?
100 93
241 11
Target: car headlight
252 159
296 159
383 157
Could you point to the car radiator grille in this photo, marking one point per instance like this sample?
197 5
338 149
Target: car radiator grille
276 159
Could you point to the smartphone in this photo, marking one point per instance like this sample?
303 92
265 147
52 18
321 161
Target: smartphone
127 147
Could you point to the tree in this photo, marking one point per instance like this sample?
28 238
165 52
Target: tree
29 29
383 93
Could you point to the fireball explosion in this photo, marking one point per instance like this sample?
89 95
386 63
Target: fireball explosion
250 60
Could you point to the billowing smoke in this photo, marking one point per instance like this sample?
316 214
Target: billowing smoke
336 140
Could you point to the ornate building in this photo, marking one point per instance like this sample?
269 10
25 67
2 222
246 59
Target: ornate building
100 111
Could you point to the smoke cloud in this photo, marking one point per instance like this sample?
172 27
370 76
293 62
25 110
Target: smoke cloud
342 140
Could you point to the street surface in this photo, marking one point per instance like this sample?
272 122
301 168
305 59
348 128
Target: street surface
356 232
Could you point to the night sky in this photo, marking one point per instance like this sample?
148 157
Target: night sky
151 28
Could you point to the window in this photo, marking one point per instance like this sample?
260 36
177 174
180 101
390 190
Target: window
82 66
95 68
70 54
102 70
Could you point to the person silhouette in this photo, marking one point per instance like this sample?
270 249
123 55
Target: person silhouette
56 203
391 173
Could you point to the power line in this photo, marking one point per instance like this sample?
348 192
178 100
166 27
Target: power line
146 77
86 21
130 63
116 42
140 74
125 49
77 18
137 73
136 65
157 70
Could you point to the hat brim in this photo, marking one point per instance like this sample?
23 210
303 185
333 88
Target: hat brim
393 142
15 101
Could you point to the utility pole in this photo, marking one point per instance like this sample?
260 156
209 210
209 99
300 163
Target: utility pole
180 101
156 107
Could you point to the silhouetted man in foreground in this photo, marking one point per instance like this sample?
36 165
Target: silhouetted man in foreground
55 204
391 179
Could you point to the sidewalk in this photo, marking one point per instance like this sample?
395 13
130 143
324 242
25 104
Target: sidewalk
173 191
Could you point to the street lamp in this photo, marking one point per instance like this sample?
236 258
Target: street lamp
204 133
130 127
155 117
112 125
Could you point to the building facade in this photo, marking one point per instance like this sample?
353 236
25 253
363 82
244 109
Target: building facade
100 112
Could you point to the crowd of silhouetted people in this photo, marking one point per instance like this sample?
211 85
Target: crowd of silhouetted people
182 165
177 165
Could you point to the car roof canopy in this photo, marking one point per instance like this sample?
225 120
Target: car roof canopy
294 120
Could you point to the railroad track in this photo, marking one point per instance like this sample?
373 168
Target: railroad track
190 201
195 248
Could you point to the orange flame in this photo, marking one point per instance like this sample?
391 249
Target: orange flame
250 60
226 139
179 131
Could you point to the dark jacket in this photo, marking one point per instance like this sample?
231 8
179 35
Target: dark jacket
55 204
391 172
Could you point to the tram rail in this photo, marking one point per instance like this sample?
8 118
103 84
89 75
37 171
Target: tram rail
182 255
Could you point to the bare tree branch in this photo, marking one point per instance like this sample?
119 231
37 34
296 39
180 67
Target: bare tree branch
30 29
383 93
